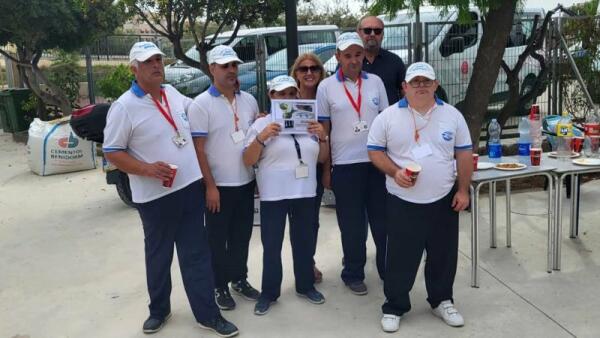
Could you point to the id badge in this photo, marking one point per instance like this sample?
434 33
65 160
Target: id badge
360 126
179 140
421 151
238 136
301 171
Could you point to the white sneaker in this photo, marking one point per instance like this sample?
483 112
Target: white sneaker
390 323
449 314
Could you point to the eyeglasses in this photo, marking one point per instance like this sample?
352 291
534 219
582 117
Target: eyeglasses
368 31
424 83
305 69
230 64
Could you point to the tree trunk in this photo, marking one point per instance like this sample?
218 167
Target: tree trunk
498 23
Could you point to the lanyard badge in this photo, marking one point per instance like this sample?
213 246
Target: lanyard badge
302 168
361 125
178 139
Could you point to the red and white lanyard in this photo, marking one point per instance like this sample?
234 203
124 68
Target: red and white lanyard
356 104
427 119
166 114
234 108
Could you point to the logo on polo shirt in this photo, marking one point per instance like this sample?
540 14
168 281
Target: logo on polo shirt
375 101
447 135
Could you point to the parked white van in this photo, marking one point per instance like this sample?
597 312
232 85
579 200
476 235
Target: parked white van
192 81
451 48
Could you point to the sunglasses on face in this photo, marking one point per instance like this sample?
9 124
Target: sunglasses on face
227 65
377 31
305 69
424 83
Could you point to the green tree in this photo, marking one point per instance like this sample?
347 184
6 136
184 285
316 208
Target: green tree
35 26
174 18
337 13
497 14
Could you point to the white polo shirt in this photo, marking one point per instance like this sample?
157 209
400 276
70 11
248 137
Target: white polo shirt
276 172
444 133
347 146
135 125
212 116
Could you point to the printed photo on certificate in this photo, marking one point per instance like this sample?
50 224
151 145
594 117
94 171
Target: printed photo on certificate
293 115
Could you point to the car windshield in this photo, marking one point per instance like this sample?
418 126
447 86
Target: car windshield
396 32
278 61
192 53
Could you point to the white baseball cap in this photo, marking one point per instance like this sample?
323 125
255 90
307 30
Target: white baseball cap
348 39
143 50
419 69
282 82
222 54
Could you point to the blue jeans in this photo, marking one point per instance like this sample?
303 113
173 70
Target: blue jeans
360 193
177 219
272 222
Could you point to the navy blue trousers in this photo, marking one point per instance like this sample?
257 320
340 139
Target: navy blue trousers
360 196
318 198
177 220
229 232
272 224
432 227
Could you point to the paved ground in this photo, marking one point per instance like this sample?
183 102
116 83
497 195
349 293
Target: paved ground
71 258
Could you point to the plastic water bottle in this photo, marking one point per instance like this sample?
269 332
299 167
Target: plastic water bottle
535 126
524 142
494 146
564 133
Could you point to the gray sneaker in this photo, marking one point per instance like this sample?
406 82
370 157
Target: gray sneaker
244 289
357 288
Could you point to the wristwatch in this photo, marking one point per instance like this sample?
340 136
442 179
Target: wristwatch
324 140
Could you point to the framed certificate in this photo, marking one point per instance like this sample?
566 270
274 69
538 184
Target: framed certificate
293 115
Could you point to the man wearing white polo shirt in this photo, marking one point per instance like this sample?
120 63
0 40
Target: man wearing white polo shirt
147 134
348 103
422 212
219 119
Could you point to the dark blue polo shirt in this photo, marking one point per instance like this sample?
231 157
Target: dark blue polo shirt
390 68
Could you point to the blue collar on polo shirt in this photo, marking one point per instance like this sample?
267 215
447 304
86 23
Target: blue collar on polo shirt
137 90
338 75
404 103
213 91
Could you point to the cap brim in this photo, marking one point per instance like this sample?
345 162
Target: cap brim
283 86
149 54
228 60
428 76
345 45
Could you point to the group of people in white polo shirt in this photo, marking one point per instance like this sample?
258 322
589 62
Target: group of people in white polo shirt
223 148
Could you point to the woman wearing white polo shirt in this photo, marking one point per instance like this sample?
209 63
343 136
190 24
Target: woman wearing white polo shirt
286 177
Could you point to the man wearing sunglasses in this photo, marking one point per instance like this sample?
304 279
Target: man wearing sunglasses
219 120
422 210
387 65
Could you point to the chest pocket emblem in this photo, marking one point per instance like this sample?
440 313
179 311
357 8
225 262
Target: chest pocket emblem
448 135
375 101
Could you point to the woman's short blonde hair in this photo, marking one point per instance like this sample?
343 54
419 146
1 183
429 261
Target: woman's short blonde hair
307 56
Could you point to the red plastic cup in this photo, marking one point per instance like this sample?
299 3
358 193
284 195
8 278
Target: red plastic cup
475 160
535 154
591 129
169 183
577 144
412 170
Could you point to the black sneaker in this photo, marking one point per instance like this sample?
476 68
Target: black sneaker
153 325
221 326
262 306
358 288
224 300
244 289
313 296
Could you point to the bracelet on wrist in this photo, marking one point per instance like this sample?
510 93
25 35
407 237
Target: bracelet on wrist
259 141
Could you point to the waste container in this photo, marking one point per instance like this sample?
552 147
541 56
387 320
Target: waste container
12 116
